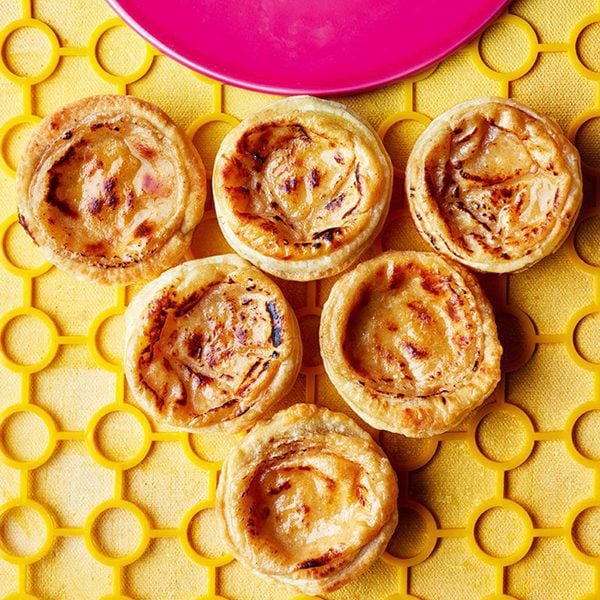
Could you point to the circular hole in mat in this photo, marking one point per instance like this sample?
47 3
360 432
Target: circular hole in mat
23 531
407 453
116 533
586 336
110 339
501 436
412 536
25 436
585 531
213 447
504 47
400 138
516 344
207 140
14 143
309 331
587 241
20 249
27 52
586 140
26 340
588 43
119 436
203 534
500 532
585 435
120 51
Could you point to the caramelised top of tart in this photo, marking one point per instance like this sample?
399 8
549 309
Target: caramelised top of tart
111 189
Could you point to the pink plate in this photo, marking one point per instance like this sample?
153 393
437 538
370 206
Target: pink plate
307 46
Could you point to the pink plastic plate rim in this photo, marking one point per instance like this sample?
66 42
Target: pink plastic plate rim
307 46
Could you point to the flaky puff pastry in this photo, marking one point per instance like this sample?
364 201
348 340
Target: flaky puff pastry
111 189
494 185
302 188
409 341
307 499
210 345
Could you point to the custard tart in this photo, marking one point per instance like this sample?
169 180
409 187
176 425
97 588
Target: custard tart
409 341
307 499
211 344
111 189
302 188
494 185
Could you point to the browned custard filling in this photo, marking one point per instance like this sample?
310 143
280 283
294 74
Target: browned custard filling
110 191
300 192
213 351
497 187
313 508
413 333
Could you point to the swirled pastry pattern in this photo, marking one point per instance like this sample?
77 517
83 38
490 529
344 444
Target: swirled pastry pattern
111 189
211 344
307 499
409 341
494 185
302 188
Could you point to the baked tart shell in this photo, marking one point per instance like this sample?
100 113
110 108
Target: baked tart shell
494 185
211 344
111 189
409 341
302 187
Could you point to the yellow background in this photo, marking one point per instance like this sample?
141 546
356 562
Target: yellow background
96 502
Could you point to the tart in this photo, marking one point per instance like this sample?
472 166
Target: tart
302 188
111 189
210 345
409 341
307 499
494 185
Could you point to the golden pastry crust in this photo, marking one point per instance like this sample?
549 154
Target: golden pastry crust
302 188
111 189
210 345
494 185
409 341
307 499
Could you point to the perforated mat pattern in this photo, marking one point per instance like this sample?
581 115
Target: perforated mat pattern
97 502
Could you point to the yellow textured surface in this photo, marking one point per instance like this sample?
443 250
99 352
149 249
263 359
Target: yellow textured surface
95 502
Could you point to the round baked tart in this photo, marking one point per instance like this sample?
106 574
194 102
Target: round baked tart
210 345
409 341
111 189
302 187
494 185
307 499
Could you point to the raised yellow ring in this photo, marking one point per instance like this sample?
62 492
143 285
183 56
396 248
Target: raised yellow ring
572 47
116 561
520 457
92 444
92 339
207 561
4 258
576 125
50 531
198 460
19 120
570 328
570 541
529 61
6 458
107 75
28 311
431 538
520 552
54 52
581 410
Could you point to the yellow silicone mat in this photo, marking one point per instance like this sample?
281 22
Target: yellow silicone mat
97 502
